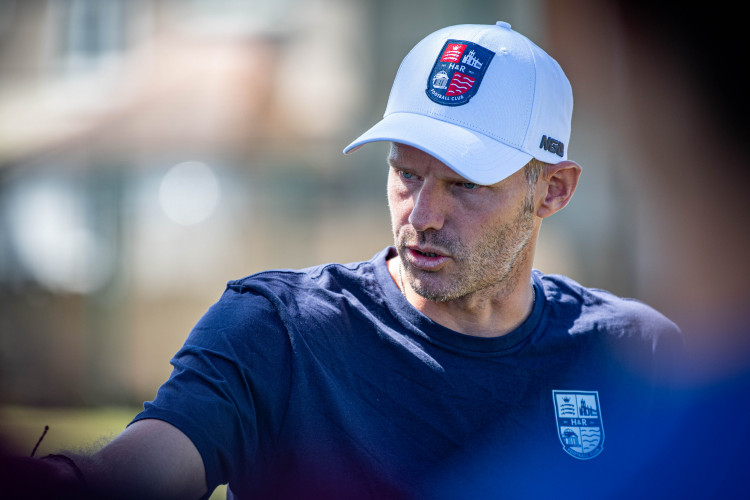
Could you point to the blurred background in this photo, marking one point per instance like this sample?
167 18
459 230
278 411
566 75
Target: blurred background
152 150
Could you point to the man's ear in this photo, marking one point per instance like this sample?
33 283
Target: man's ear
556 187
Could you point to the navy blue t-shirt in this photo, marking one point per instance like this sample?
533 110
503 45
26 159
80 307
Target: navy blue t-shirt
326 383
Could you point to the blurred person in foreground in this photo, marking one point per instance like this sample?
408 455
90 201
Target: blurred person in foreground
440 360
688 118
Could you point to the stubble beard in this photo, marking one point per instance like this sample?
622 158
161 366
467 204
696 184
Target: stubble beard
492 262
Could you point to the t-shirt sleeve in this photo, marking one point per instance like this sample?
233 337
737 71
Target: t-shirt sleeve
664 339
229 386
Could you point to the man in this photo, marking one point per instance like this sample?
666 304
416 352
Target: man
443 366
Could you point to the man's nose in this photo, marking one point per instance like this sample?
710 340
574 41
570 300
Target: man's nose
430 205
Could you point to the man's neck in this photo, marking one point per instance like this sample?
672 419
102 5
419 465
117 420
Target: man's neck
487 313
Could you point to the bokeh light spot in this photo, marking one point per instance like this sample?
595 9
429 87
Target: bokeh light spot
189 193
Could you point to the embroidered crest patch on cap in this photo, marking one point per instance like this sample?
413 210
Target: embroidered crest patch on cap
458 72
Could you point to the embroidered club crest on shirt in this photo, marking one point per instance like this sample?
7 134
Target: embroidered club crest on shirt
579 423
457 72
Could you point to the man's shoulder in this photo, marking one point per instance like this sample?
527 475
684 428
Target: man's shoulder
278 298
291 284
592 306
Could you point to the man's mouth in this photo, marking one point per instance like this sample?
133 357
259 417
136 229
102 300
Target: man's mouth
425 259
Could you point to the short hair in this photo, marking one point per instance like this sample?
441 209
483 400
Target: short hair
532 170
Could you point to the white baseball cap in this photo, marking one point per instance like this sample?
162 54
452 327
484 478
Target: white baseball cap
483 99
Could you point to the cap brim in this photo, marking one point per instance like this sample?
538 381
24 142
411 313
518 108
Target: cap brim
473 155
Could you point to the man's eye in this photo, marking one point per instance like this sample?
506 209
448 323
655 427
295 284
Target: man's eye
407 175
469 185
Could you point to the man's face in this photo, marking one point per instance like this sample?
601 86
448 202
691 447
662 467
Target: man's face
456 238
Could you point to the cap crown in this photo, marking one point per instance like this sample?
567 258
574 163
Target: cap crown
521 98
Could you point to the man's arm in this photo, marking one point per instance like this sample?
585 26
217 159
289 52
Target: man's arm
149 459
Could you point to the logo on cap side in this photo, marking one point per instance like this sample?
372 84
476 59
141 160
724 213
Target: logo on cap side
552 145
457 72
